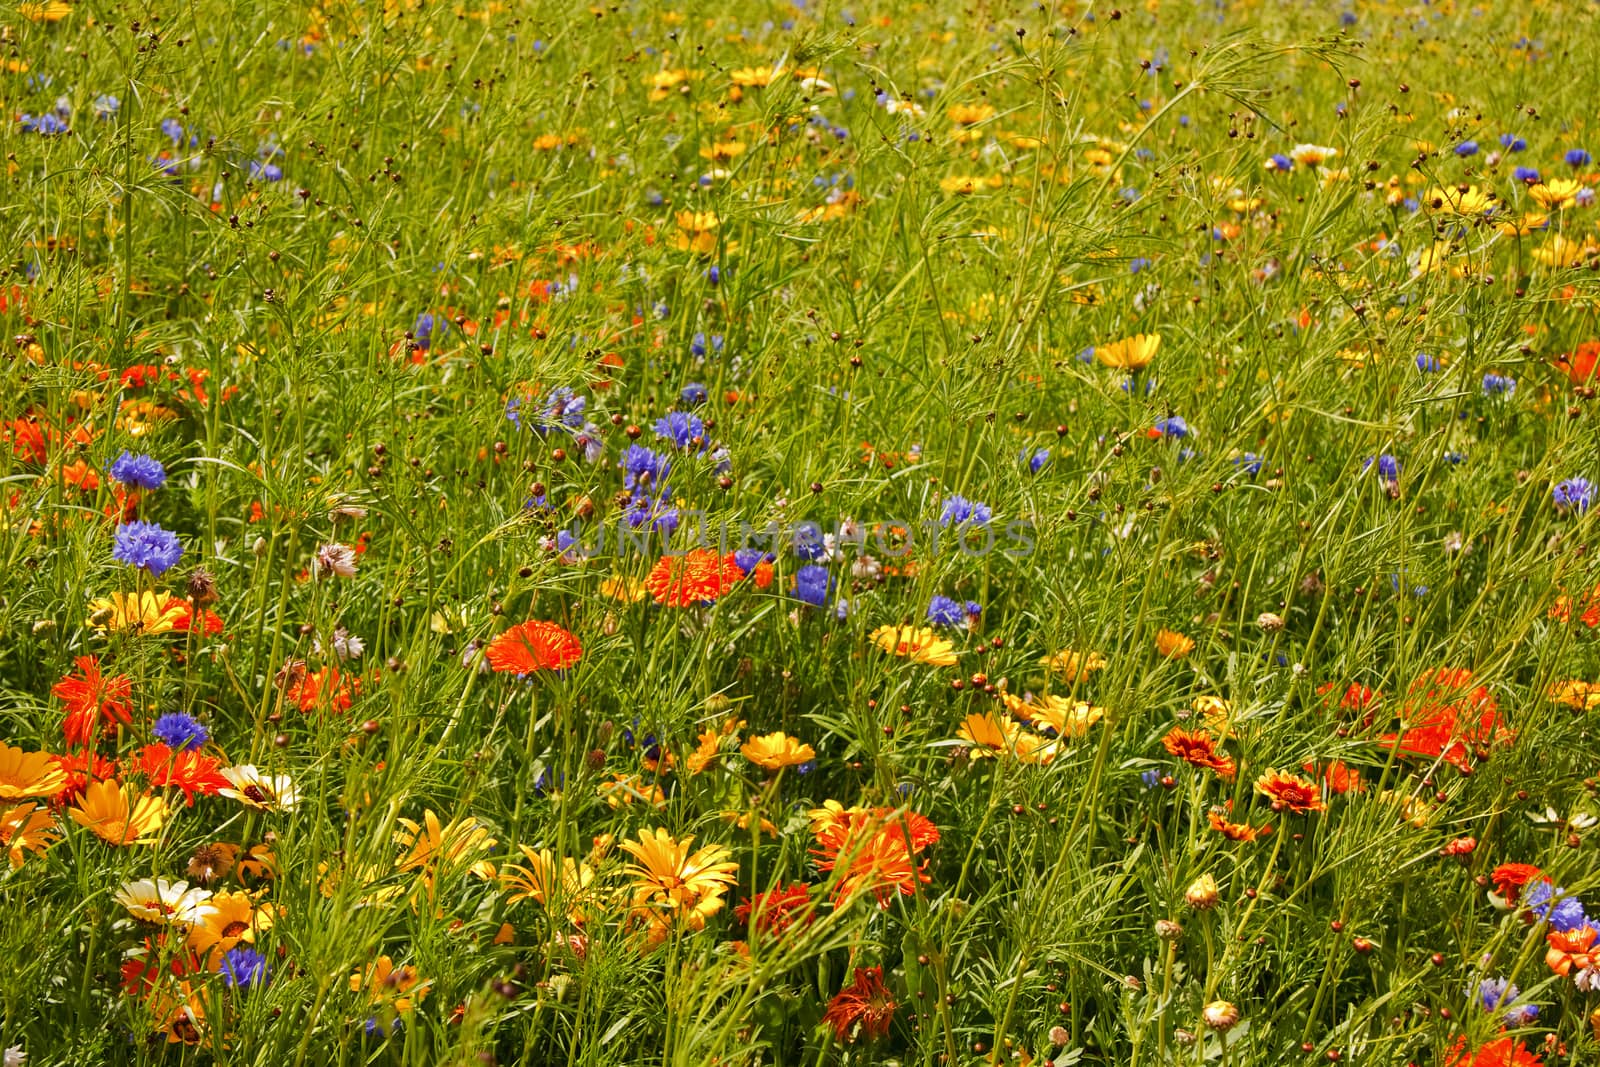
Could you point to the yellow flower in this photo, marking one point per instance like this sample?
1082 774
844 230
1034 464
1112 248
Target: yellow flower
231 918
1578 695
138 613
776 751
832 814
755 77
1469 201
918 645
1555 194
697 232
964 185
1172 645
400 987
1560 251
432 846
547 882
669 879
1216 712
1130 353
50 11
968 114
624 789
29 774
114 814
1073 666
26 828
989 735
723 151
627 590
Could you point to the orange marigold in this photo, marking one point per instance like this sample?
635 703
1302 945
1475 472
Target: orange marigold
535 645
697 577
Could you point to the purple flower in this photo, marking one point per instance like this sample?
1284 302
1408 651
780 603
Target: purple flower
1574 494
1467 148
1551 903
694 394
141 472
243 967
1035 462
1281 163
958 509
812 584
1388 467
179 731
1498 385
1427 364
1172 426
1512 143
681 428
942 611
146 545
643 466
1526 175
1577 157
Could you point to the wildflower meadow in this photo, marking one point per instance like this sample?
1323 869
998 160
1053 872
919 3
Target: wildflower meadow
799 533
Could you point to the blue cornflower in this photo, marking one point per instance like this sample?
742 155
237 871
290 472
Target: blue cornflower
1138 263
1577 157
106 106
244 967
1250 463
141 472
1035 462
942 611
747 559
680 427
694 394
1512 143
1498 385
958 509
267 172
1497 994
46 125
144 544
1388 467
563 408
1087 355
643 466
1426 364
1575 494
812 584
1172 426
1467 148
1551 903
713 276
422 330
1280 162
179 731
701 345
1528 175
1150 778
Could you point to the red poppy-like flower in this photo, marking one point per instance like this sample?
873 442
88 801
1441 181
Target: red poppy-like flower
94 703
1444 716
189 771
1199 749
1339 776
1509 878
535 645
876 849
83 767
328 688
864 1008
1501 1053
1589 608
776 910
1460 848
1581 365
1290 792
697 577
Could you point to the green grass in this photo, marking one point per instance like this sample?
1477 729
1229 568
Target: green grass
902 306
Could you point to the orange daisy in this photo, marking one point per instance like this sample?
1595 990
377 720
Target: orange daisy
1199 749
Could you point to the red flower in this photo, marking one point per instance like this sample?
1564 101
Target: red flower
876 849
1461 847
1290 792
696 577
1446 718
1580 366
1339 776
535 645
1199 749
777 910
1501 1053
189 771
327 688
1509 878
863 1008
94 703
83 767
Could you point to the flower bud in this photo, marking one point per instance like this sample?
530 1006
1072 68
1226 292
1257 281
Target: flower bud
1167 930
1220 1016
1202 893
1270 622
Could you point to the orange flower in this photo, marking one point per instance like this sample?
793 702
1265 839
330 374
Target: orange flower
864 1008
189 771
1572 951
1339 776
535 645
1198 749
776 910
1234 831
697 577
1172 645
94 703
876 849
1503 1052
1290 792
1509 878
